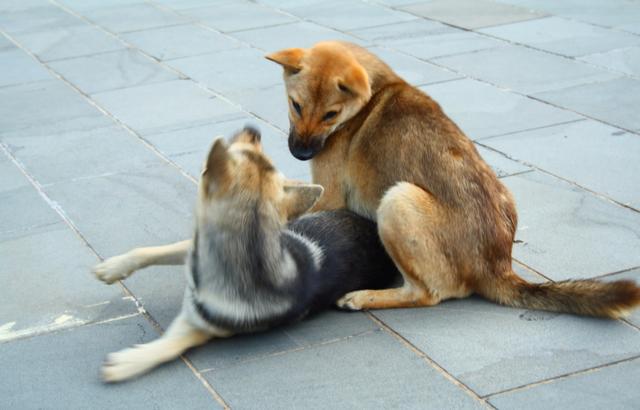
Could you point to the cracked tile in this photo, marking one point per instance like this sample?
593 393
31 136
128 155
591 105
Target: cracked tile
111 71
567 232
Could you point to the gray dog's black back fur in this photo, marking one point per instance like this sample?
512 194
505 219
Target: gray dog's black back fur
333 252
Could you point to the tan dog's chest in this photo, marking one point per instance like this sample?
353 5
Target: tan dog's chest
347 179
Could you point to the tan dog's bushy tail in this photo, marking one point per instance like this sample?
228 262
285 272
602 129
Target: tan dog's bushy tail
582 297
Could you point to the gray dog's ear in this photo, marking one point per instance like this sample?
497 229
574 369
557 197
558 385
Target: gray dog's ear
216 168
299 198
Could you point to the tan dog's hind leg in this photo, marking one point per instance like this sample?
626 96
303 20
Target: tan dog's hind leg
408 218
121 266
179 337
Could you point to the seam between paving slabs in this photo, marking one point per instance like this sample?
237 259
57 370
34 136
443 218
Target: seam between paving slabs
286 351
561 377
427 359
216 396
541 127
537 168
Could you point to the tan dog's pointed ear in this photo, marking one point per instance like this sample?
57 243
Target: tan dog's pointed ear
216 168
299 198
356 81
289 58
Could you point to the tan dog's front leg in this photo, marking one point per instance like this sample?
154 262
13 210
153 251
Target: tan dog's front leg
121 266
407 219
406 296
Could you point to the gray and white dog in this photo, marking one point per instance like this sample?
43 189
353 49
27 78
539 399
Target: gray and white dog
248 267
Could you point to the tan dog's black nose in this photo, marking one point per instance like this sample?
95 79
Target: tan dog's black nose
304 150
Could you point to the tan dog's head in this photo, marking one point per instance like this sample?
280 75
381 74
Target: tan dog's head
326 86
240 174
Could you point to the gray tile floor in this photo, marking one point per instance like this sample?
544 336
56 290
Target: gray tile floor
107 108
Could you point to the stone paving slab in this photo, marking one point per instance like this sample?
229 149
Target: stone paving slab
501 165
482 110
239 15
19 68
33 369
403 32
611 101
45 107
589 153
134 17
563 36
46 285
190 4
623 60
240 350
231 72
612 387
299 34
601 13
352 15
491 348
151 107
143 207
567 232
34 213
167 43
525 70
447 43
414 71
41 16
379 371
471 14
83 6
111 71
10 176
266 103
80 154
67 42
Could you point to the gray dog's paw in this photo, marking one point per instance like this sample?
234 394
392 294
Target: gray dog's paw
114 269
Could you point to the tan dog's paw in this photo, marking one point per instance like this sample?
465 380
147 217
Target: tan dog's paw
350 301
116 268
127 363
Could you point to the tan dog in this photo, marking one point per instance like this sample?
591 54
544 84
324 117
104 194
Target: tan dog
387 151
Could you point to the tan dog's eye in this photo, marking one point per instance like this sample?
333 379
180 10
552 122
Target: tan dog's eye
296 106
329 115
